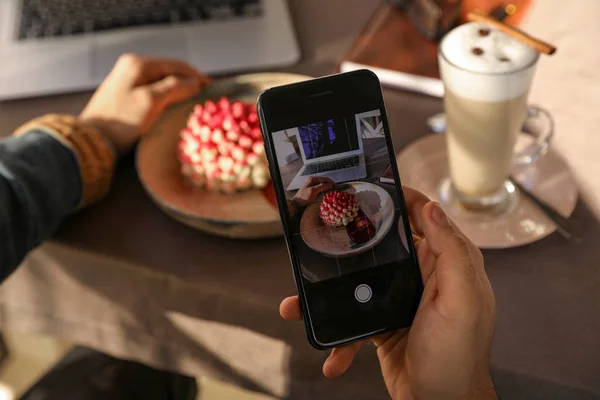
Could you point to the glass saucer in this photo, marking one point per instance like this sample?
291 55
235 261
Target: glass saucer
423 165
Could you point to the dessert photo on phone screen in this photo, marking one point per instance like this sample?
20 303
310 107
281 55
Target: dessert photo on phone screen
343 204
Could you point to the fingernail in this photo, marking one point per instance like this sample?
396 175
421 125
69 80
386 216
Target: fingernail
439 216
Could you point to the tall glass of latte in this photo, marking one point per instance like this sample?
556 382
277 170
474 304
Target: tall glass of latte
487 75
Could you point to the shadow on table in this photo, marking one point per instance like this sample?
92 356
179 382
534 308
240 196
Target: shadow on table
141 313
142 320
514 386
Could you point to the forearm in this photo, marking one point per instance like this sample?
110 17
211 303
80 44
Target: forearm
40 184
51 167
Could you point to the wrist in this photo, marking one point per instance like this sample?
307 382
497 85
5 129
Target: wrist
94 153
103 129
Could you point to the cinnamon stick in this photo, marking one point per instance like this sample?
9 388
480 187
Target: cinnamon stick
518 34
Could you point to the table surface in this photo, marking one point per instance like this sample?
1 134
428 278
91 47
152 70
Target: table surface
111 267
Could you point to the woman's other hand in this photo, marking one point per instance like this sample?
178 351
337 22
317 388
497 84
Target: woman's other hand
135 94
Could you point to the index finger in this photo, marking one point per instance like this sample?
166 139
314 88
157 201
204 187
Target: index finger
320 188
312 180
415 201
290 309
158 68
326 180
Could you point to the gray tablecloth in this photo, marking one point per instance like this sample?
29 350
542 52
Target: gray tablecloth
124 278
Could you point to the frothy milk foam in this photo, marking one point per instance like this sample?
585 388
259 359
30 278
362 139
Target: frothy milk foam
487 75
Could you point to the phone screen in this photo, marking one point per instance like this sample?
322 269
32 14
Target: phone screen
340 198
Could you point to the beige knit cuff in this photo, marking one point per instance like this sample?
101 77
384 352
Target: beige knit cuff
95 154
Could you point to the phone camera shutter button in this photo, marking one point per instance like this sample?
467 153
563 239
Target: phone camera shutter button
363 293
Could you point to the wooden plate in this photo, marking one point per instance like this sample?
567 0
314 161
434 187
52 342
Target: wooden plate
374 201
247 214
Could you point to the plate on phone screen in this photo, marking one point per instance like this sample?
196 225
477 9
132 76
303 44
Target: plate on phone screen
375 203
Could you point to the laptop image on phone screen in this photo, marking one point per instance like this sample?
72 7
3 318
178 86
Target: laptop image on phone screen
331 148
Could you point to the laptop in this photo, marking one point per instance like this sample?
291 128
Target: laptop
55 46
332 148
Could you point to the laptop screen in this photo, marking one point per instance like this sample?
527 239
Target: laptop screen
327 138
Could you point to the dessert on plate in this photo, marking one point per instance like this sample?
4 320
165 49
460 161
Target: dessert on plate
339 208
222 148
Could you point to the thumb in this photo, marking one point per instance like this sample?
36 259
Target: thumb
173 89
454 267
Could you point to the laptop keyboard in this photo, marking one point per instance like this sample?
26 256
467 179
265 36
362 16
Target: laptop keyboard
333 165
56 18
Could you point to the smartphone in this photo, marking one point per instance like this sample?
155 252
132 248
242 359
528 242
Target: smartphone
345 222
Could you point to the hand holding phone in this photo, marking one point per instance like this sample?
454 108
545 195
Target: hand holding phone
328 144
338 130
448 345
